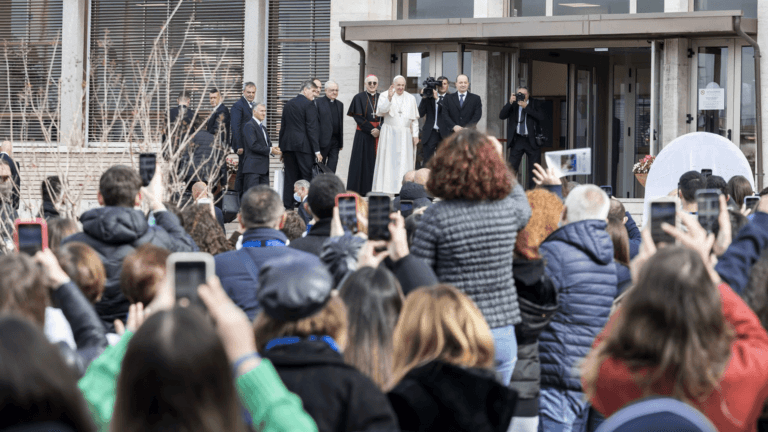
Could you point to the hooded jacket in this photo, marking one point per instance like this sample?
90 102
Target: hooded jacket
444 397
115 232
579 260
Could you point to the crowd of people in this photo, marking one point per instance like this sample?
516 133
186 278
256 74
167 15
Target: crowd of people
489 308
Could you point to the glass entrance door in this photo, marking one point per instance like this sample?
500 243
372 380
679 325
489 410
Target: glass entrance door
722 92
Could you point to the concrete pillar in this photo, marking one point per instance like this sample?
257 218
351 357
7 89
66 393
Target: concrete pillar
345 66
675 81
73 34
675 5
255 40
762 40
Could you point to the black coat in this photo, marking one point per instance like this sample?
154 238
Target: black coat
537 298
202 161
220 116
256 149
14 177
115 232
427 108
534 116
241 114
454 114
299 126
313 241
337 396
325 122
447 398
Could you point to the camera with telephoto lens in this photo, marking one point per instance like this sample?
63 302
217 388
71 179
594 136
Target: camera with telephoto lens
430 85
520 96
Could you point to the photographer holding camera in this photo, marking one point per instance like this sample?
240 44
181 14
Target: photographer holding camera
431 105
522 123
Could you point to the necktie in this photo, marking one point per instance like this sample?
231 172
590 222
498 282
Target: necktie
461 101
266 135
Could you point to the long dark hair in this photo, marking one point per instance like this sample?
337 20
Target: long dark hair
204 230
672 323
756 291
620 239
35 384
176 376
374 300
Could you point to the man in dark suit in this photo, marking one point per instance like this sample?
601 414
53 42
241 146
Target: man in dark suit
522 123
242 111
321 200
260 216
298 137
6 153
430 132
331 119
219 118
179 123
461 109
258 148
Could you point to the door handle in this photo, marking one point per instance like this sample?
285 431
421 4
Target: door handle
729 134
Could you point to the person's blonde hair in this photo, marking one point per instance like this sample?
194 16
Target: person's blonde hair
440 323
330 321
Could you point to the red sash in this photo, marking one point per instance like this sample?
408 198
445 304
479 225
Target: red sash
375 125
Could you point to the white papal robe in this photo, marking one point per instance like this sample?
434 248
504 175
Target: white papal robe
396 154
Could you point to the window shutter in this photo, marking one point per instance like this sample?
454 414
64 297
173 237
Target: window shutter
131 26
299 49
33 26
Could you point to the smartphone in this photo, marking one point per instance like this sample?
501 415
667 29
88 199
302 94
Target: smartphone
348 208
187 271
708 201
379 209
31 237
608 189
663 211
406 208
751 201
147 164
706 172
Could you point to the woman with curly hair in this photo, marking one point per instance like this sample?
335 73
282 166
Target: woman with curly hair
468 237
201 225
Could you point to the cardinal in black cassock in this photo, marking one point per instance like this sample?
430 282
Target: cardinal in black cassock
363 161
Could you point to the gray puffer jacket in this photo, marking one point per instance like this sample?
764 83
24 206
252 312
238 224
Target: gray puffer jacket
470 245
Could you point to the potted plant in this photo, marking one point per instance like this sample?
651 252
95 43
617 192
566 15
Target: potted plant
642 167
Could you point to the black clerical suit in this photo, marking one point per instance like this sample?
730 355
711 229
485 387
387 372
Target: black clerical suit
181 130
220 116
522 135
430 132
364 146
465 114
331 121
257 148
242 113
298 142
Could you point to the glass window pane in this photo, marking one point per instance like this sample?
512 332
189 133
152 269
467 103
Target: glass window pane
528 8
421 9
415 69
749 7
648 6
747 136
590 7
712 76
451 68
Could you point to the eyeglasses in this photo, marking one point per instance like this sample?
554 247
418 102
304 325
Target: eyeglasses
4 179
372 83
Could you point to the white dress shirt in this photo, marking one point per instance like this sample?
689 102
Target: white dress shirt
522 128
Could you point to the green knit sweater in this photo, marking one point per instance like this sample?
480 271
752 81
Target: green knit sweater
271 405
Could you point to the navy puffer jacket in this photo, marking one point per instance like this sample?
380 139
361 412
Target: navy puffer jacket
580 263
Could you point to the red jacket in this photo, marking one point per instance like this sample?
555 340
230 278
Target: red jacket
736 405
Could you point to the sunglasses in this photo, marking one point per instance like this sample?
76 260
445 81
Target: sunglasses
372 83
4 178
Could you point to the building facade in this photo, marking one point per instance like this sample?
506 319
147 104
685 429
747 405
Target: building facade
622 77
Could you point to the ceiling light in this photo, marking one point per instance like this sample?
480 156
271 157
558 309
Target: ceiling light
579 5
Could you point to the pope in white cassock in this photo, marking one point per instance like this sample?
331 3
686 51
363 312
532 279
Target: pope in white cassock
398 138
